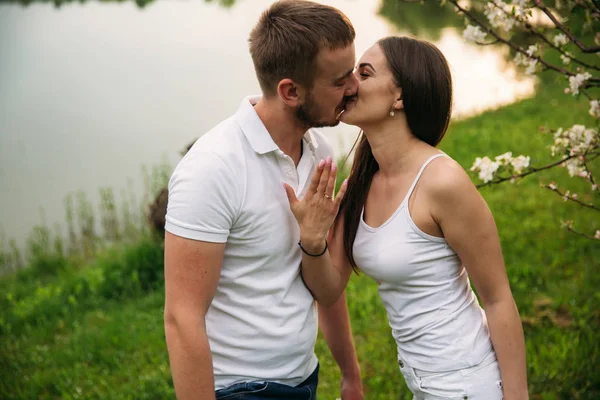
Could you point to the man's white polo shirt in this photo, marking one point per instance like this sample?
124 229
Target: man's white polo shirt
262 322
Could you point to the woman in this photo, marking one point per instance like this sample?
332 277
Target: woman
412 220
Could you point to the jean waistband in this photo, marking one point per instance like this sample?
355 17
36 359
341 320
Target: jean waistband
474 357
312 378
417 372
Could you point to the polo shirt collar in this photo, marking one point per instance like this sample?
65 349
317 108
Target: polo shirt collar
256 132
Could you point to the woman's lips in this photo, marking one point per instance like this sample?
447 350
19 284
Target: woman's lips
345 107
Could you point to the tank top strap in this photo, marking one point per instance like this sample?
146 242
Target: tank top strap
425 164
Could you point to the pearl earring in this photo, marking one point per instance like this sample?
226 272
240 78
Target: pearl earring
392 113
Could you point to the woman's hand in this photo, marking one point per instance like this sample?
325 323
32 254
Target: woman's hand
316 212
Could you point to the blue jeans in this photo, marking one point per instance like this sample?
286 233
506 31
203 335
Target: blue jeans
307 390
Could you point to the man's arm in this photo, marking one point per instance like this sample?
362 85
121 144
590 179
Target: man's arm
335 325
192 270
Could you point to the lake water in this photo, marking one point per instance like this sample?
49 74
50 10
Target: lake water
90 93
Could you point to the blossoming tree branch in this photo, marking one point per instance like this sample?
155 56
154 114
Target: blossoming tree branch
575 148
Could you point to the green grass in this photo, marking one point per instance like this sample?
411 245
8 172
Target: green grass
113 351
96 331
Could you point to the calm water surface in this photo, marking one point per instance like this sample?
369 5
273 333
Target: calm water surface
90 93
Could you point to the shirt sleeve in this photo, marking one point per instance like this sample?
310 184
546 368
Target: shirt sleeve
204 198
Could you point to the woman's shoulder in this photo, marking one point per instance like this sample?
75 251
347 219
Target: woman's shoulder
444 177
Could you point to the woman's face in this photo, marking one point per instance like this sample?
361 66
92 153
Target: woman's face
377 92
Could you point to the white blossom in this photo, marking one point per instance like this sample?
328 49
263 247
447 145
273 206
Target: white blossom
498 15
579 135
532 50
560 145
521 59
565 59
531 64
574 167
584 174
474 33
597 235
486 168
504 159
574 141
560 40
532 67
558 133
521 6
519 163
494 13
595 108
575 82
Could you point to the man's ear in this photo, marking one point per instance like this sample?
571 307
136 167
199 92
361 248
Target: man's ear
290 92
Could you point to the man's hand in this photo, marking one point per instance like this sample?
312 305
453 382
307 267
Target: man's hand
352 389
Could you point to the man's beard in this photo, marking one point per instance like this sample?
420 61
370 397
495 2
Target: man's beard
308 115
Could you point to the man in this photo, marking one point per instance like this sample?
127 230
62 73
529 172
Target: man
238 318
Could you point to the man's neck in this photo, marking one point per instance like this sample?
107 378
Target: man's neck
284 128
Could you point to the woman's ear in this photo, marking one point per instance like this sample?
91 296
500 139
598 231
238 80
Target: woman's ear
398 104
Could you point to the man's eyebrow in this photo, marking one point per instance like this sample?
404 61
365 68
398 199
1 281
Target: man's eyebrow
347 74
367 65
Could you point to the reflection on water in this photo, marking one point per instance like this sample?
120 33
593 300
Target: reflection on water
483 79
91 92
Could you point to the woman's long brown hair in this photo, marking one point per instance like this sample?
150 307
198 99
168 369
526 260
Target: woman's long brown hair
421 71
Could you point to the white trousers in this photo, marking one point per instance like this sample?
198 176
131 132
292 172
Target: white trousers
480 382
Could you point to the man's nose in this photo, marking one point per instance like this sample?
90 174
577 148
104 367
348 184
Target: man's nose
352 87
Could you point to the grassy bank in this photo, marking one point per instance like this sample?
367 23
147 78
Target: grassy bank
93 329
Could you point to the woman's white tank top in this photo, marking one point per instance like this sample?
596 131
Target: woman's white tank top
435 317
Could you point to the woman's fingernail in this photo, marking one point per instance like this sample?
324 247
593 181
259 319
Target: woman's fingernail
328 160
333 168
321 163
